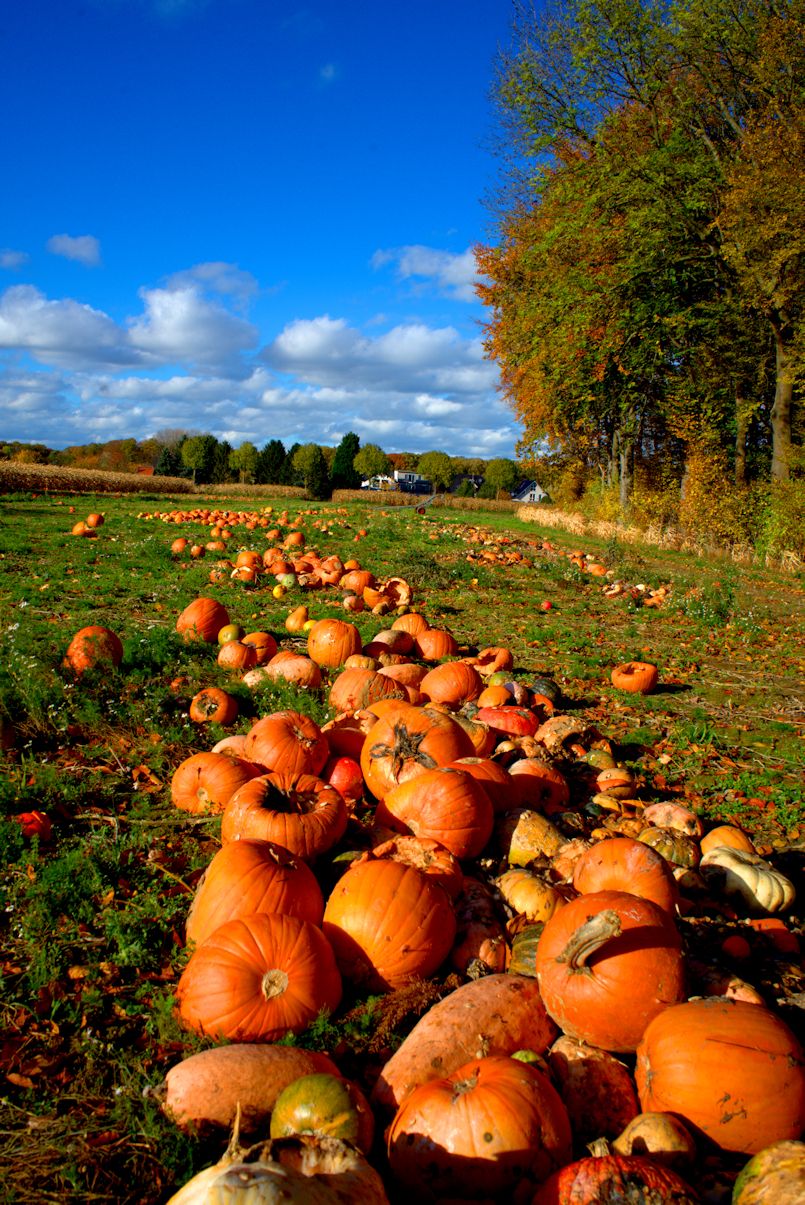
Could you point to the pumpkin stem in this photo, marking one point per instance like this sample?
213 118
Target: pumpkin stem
589 938
274 983
405 748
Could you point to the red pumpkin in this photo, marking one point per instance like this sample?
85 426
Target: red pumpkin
258 977
614 1179
492 1126
607 964
388 923
513 721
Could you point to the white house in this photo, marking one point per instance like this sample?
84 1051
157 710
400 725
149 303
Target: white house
529 491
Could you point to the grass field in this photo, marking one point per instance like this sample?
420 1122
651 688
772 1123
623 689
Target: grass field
92 940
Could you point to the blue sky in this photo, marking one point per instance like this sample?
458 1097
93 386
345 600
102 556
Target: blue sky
249 217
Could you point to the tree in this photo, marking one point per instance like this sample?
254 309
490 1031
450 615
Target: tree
197 454
343 473
371 461
220 472
437 467
244 460
288 474
270 462
309 463
169 463
502 475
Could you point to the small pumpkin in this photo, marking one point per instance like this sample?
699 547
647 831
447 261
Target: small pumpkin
202 620
613 1179
213 705
637 677
661 1136
324 1104
92 647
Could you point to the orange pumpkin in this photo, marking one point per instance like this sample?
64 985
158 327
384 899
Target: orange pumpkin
406 741
423 853
93 646
331 641
205 782
492 1126
257 977
493 777
731 1070
289 742
294 667
449 806
637 677
264 645
453 683
302 813
411 622
246 877
202 620
388 923
607 964
356 689
434 643
213 705
623 864
537 784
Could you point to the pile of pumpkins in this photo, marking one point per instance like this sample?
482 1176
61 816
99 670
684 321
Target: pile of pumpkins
450 819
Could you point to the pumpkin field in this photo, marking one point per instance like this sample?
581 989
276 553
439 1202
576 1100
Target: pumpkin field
378 855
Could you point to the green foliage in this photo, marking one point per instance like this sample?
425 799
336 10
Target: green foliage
371 461
310 465
343 473
437 468
270 463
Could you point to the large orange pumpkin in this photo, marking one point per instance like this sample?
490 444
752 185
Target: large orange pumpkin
731 1070
257 977
434 643
454 683
356 689
202 620
537 784
494 1125
331 641
607 964
388 923
253 876
493 777
408 740
302 813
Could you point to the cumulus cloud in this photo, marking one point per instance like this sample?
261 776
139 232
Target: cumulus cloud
179 325
66 333
453 274
12 260
84 248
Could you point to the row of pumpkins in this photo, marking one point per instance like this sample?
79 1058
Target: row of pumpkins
436 771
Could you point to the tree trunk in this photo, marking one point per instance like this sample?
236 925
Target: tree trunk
742 415
626 474
781 410
612 465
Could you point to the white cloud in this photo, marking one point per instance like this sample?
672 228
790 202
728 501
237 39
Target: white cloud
181 326
84 248
12 260
454 274
65 333
328 74
227 280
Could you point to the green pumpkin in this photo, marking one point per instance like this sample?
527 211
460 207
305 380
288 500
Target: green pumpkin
774 1176
524 950
546 686
325 1105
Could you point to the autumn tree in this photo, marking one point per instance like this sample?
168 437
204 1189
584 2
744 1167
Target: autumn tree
371 461
437 468
502 475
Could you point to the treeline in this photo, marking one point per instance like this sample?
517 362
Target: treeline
647 283
207 460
